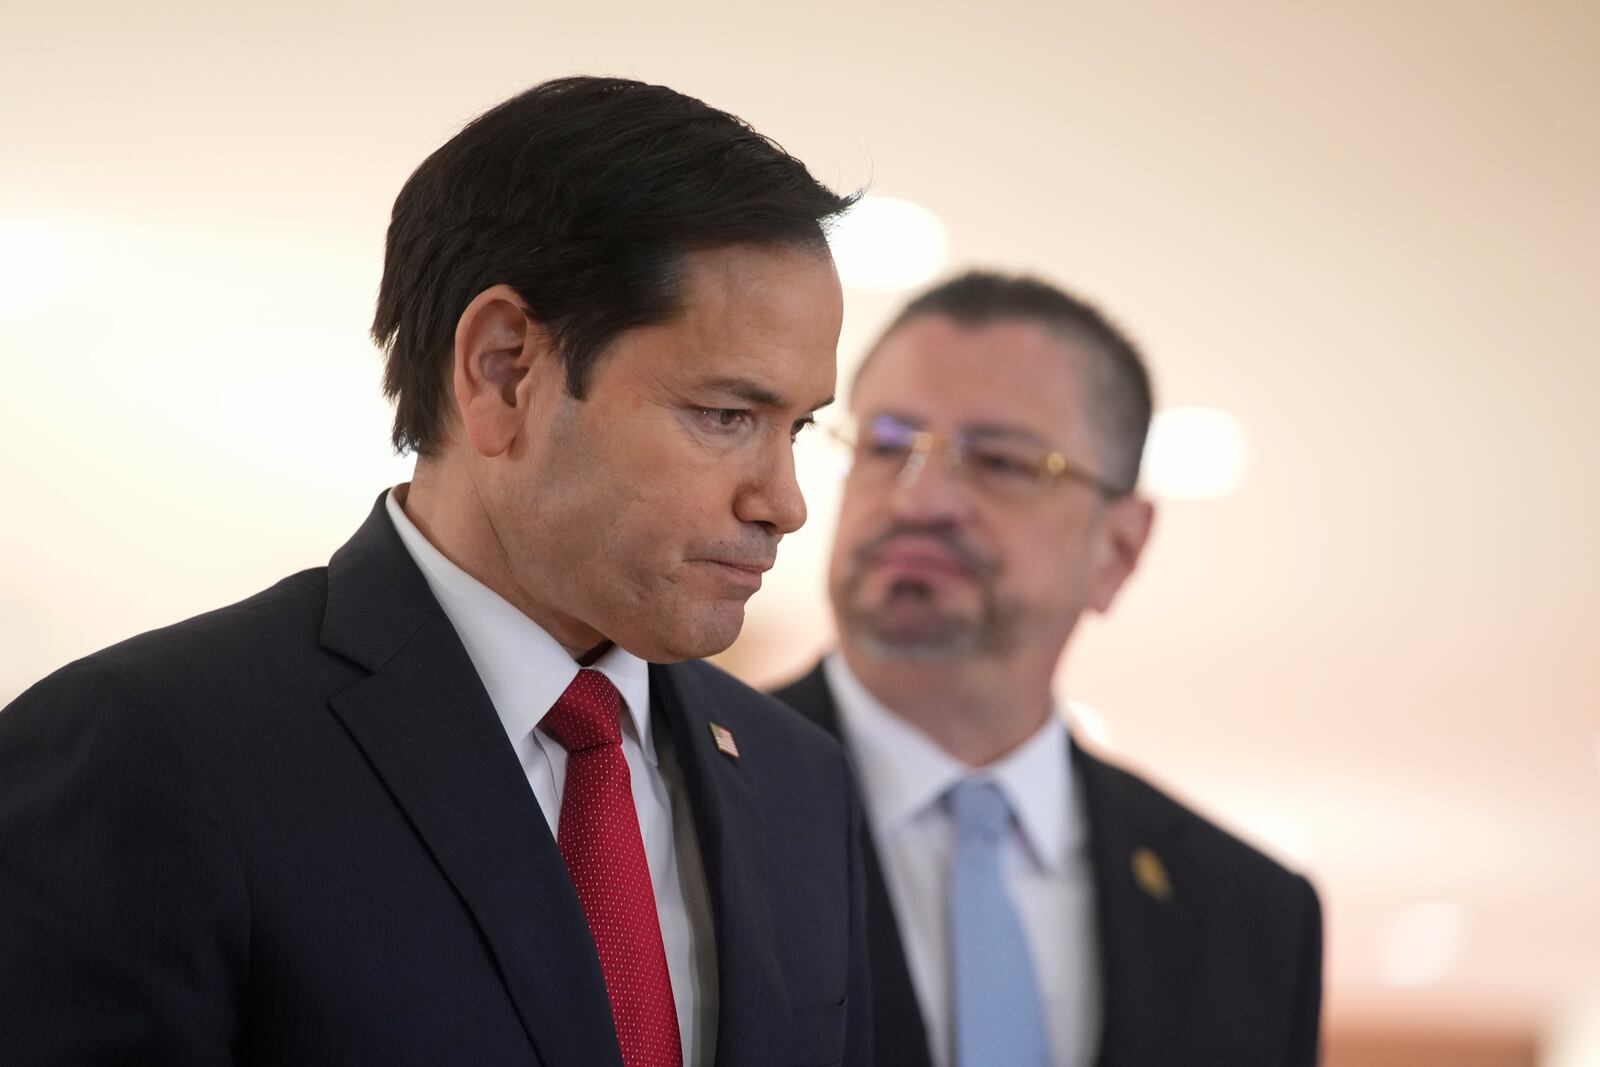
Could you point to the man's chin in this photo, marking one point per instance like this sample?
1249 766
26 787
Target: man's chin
922 636
914 615
695 633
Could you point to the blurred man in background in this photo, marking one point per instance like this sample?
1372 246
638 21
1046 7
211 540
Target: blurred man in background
440 802
1028 903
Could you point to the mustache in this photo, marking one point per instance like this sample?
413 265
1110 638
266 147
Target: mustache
761 552
943 534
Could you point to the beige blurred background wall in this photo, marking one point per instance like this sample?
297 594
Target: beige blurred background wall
1369 231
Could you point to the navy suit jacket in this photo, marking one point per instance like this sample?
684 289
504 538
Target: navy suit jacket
293 831
1224 969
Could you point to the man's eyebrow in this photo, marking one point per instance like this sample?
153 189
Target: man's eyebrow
753 393
1000 429
971 429
744 389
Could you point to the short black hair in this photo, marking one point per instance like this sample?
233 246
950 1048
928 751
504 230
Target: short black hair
1121 397
582 194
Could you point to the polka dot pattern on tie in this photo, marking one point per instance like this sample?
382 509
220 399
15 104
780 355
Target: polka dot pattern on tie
599 838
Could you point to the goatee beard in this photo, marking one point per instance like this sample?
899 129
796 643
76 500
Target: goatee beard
934 636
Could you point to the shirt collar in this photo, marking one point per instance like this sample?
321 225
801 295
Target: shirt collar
522 667
904 773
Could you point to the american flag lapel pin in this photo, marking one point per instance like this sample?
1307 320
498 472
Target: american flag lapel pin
722 737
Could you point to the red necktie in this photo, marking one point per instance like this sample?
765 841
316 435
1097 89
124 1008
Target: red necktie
599 838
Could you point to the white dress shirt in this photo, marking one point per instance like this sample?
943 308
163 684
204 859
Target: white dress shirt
1045 859
525 670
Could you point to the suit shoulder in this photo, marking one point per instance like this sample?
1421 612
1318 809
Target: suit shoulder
793 693
810 696
165 703
208 645
1230 860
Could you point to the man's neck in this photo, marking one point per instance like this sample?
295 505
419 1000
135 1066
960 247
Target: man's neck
458 526
977 710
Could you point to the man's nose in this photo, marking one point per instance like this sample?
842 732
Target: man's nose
774 499
931 488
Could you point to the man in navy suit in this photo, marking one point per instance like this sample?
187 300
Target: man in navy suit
465 795
1028 903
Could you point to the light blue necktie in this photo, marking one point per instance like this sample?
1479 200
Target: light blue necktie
999 1019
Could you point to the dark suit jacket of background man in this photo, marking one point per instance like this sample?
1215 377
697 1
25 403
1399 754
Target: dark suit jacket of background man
1224 972
293 831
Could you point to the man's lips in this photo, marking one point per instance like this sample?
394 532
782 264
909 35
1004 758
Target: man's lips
919 558
742 573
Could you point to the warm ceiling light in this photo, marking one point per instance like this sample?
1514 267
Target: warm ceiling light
29 254
1195 453
887 244
1422 944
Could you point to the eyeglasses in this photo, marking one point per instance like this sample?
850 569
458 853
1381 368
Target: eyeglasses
998 464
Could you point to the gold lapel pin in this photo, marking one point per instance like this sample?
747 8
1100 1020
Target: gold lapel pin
723 738
1151 875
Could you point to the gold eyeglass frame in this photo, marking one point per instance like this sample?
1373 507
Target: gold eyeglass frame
951 445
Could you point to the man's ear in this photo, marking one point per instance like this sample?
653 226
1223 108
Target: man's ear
1125 528
497 345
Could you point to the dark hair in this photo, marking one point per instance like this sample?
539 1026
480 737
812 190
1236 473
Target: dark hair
1120 394
583 195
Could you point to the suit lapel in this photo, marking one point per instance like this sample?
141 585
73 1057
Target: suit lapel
897 1017
1148 918
1148 940
430 732
900 1032
752 1014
